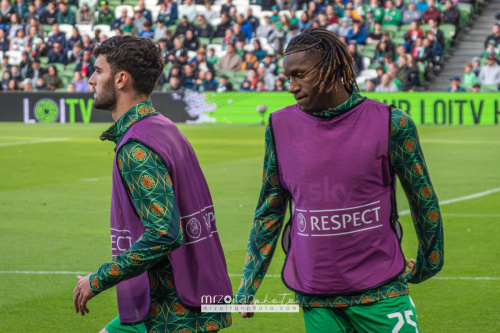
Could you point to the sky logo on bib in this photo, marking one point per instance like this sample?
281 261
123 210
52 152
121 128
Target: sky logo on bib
301 222
193 228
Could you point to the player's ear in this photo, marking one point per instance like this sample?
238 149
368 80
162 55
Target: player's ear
121 79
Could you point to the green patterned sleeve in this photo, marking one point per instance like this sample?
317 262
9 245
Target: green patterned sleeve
409 164
266 226
150 186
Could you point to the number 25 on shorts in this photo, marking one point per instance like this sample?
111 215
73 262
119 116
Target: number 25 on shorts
401 321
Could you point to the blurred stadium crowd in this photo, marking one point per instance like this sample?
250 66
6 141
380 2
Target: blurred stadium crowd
238 45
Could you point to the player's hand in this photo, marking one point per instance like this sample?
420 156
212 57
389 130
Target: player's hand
82 294
410 263
247 314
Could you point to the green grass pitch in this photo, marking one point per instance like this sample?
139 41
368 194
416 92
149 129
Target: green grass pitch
55 200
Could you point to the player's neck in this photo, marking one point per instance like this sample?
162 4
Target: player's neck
125 102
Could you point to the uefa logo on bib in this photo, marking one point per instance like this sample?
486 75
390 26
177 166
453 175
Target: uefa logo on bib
193 228
301 222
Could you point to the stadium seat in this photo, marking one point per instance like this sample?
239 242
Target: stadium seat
118 10
404 27
204 40
105 29
59 67
67 29
15 57
425 28
391 29
44 61
217 40
398 41
489 88
227 73
85 29
448 29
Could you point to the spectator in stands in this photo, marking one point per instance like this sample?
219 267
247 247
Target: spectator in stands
267 78
35 71
191 42
71 87
238 34
208 12
201 60
476 88
375 36
183 27
431 13
294 31
26 85
6 11
52 79
105 16
19 42
84 15
226 8
415 30
224 84
188 9
147 30
175 52
175 84
21 8
130 27
369 86
254 21
277 37
269 65
224 24
75 38
476 65
228 38
121 20
212 58
39 8
278 85
304 22
490 73
455 85
401 73
145 12
15 24
358 33
250 62
343 30
451 15
285 21
358 60
245 86
170 15
209 84
246 27
275 17
386 84
264 30
31 13
65 15
169 40
139 20
58 55
86 66
41 85
38 28
430 41
422 6
469 77
230 61
16 74
330 15
49 15
392 15
12 85
160 30
490 49
25 64
56 36
438 34
380 52
6 77
4 41
401 5
494 36
80 84
204 29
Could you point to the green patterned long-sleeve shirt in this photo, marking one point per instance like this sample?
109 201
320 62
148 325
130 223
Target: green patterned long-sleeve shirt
150 187
408 162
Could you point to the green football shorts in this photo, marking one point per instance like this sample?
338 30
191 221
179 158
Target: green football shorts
394 315
116 327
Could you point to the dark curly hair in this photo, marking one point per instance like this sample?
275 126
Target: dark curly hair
140 57
336 62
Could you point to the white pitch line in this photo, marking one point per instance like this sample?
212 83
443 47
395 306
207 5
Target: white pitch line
89 179
467 197
31 142
470 278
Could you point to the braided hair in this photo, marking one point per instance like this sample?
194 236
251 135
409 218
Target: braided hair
336 62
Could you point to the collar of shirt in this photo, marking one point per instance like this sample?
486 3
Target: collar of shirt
351 102
118 129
